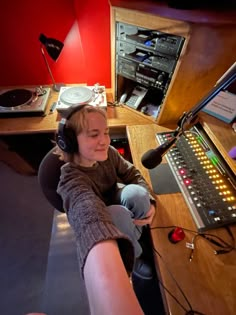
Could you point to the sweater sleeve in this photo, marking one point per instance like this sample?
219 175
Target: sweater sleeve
89 218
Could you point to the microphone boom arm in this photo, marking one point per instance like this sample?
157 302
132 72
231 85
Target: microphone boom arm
153 157
187 117
228 78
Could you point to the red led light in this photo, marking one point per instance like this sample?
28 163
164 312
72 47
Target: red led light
182 171
121 151
187 182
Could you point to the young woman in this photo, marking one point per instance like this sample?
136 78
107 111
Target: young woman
107 202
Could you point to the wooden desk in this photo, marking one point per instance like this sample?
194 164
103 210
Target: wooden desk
118 117
209 280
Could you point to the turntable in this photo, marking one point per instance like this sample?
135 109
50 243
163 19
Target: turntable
78 95
23 101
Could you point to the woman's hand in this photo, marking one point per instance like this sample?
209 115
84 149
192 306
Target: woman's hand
149 217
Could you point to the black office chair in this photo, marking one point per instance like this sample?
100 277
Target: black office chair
48 177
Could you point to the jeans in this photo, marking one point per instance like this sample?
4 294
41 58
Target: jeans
131 202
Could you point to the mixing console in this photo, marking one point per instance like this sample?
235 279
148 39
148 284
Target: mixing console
205 180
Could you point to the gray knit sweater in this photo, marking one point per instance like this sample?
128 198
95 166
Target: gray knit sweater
86 191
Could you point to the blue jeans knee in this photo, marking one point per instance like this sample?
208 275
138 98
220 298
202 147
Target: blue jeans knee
135 198
122 219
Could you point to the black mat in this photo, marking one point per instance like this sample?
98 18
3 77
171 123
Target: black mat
163 180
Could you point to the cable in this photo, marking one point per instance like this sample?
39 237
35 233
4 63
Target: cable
225 247
207 236
178 286
192 246
214 239
172 227
231 235
180 289
191 311
173 297
112 104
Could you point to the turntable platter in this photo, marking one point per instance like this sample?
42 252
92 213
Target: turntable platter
76 95
16 97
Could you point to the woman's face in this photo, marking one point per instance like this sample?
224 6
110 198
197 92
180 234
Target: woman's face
94 141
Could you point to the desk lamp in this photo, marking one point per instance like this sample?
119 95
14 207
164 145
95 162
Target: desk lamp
53 48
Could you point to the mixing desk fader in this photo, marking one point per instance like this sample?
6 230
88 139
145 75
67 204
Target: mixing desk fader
205 180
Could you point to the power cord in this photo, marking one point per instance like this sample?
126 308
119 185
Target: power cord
191 311
225 247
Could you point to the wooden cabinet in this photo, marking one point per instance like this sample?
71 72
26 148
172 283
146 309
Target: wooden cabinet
208 51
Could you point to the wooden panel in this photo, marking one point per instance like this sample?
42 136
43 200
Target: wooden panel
222 135
208 52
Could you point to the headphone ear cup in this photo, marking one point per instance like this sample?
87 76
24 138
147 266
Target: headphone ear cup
66 138
67 141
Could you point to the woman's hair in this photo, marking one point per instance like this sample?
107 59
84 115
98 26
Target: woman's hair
78 122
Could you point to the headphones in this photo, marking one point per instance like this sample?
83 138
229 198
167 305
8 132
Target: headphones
66 138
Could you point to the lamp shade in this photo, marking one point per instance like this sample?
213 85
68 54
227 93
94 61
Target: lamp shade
53 48
52 45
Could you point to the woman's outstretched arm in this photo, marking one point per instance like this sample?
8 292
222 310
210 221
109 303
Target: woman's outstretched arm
108 287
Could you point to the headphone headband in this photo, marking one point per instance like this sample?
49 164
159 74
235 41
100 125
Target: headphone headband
71 110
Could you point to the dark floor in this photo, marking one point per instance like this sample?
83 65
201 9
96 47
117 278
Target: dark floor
38 270
26 220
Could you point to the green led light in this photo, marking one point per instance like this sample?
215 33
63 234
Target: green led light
214 161
199 139
212 157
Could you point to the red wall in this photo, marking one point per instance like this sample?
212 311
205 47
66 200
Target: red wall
83 26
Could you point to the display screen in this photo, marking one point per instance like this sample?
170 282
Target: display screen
148 72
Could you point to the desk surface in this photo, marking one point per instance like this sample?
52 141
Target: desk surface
118 117
209 280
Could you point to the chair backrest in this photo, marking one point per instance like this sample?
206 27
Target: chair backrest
48 177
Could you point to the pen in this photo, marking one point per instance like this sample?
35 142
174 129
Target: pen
53 107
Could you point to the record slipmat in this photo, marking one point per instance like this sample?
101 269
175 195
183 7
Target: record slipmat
76 95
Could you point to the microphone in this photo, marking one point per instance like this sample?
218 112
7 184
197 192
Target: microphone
153 157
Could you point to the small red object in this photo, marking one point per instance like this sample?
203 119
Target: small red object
176 235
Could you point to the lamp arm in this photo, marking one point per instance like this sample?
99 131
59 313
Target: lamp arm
49 70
